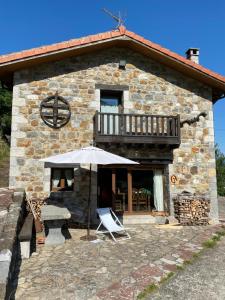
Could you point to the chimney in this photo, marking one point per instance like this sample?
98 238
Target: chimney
193 54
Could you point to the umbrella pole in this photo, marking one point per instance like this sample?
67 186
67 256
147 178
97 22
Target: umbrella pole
89 205
89 237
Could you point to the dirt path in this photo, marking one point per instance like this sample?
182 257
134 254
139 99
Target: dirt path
204 279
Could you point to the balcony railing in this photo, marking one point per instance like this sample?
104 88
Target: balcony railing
136 128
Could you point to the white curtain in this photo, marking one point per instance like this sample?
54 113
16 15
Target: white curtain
69 177
158 190
56 177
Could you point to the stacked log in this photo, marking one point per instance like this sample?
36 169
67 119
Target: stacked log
191 209
36 205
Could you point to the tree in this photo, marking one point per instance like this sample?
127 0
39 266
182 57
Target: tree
220 171
5 111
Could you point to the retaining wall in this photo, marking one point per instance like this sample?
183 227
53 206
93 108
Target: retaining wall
12 210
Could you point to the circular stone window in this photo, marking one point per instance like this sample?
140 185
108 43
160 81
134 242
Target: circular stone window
55 111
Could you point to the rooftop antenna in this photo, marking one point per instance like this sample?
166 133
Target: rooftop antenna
118 18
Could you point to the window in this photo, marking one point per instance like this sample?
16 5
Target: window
111 101
62 179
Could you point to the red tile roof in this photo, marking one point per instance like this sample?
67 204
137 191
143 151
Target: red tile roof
88 40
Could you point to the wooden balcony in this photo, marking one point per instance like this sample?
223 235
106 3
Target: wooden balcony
136 128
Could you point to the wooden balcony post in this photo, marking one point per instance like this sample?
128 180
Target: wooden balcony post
96 124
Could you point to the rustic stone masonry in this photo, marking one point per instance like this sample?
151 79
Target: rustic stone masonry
152 89
11 218
191 209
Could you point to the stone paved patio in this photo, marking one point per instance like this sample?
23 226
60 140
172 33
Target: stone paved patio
83 270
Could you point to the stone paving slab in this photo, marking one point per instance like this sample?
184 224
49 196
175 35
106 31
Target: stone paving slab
206 276
82 270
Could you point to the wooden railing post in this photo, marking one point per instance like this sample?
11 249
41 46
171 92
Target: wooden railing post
146 125
123 118
130 125
162 126
178 127
101 123
96 124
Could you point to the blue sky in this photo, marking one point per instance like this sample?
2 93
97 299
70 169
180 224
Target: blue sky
174 24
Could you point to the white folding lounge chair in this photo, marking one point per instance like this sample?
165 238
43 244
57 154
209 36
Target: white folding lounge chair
110 221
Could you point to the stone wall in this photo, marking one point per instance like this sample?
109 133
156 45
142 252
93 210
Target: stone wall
153 89
11 218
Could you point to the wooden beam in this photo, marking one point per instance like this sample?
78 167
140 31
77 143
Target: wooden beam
113 187
129 183
163 140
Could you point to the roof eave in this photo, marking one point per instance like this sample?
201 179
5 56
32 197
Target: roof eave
8 68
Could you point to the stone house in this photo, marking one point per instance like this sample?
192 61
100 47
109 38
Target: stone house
124 94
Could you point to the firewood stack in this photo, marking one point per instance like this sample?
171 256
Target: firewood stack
37 205
191 209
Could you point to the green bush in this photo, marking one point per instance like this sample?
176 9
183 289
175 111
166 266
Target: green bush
5 111
4 150
220 172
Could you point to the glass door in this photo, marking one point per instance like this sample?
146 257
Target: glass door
131 190
142 190
111 103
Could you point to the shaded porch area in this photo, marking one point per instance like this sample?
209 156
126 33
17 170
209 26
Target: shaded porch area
137 190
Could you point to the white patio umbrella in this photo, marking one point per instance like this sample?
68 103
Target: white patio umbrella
88 155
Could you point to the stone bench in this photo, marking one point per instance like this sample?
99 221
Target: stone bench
25 236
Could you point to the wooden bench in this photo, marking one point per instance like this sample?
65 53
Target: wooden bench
25 236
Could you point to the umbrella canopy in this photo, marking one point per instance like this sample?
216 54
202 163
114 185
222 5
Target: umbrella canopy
88 155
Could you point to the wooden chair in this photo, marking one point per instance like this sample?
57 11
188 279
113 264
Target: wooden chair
135 197
143 200
140 200
118 204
